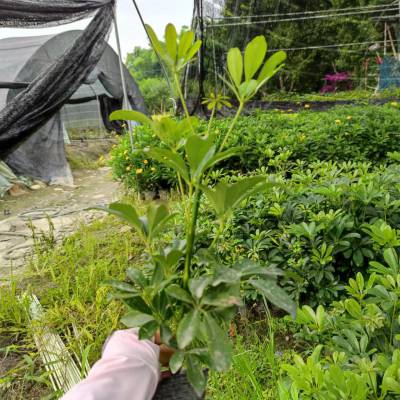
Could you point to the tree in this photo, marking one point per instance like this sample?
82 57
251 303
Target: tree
306 68
143 63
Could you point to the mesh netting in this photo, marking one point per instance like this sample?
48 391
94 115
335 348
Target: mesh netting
389 75
34 13
40 152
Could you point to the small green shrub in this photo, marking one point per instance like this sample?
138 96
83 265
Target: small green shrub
357 353
137 171
349 133
156 94
313 225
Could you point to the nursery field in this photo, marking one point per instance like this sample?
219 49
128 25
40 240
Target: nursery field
330 223
262 248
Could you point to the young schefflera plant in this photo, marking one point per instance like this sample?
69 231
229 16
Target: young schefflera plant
184 291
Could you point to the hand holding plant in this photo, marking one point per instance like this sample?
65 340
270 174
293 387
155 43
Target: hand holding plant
184 291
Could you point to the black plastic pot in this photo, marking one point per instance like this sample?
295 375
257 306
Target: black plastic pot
176 387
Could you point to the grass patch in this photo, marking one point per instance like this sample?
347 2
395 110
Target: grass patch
69 281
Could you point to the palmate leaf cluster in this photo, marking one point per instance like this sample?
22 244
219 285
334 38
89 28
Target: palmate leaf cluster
184 291
357 339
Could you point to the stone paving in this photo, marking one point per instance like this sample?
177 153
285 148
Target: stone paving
64 207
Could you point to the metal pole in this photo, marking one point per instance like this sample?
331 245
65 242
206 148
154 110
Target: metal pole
398 35
385 40
126 103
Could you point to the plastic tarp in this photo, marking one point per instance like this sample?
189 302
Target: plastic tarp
389 74
59 69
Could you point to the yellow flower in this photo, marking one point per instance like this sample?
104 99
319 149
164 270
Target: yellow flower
145 162
394 103
307 105
338 121
153 169
126 152
159 117
139 171
128 168
349 117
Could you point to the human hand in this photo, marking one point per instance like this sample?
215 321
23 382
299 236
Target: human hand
166 352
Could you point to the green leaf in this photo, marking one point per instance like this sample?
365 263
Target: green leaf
224 198
218 344
166 335
224 295
254 55
188 328
125 212
248 89
157 217
198 285
176 361
155 43
148 330
225 275
171 160
170 42
178 293
136 276
122 286
270 66
185 43
392 259
130 115
135 319
220 156
230 85
193 50
235 65
173 132
137 304
248 268
199 151
275 294
195 374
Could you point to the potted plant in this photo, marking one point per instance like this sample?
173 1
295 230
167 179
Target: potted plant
185 291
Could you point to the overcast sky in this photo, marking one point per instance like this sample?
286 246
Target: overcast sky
155 12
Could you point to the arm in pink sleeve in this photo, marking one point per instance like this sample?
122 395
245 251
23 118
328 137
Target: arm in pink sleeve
128 370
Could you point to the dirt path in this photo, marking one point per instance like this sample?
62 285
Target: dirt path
64 206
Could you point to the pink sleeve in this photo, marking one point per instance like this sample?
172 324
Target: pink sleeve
128 370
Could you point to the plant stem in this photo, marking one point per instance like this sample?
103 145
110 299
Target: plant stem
238 112
195 211
190 236
210 120
179 89
218 234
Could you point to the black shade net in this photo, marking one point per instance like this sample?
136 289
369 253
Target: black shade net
41 13
46 94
